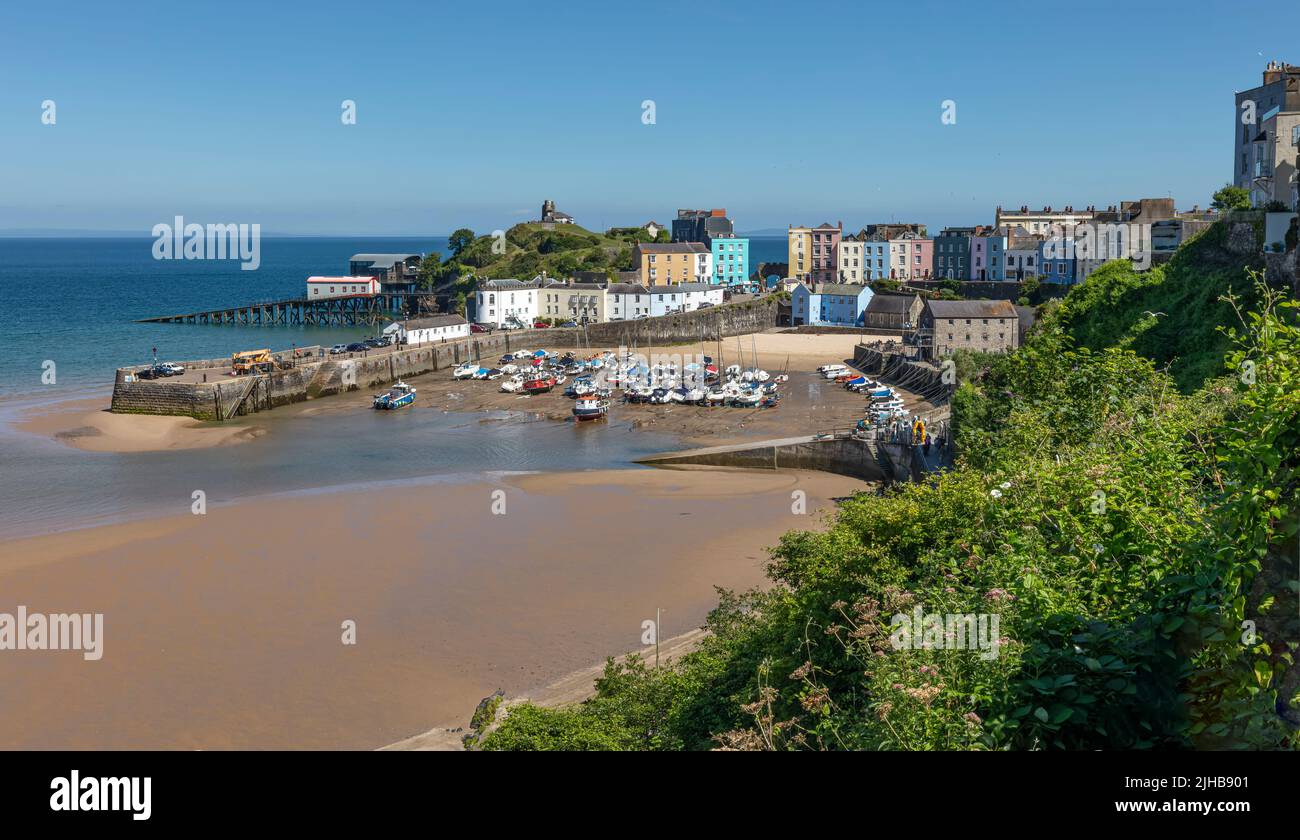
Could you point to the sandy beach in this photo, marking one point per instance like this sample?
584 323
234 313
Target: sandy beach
225 630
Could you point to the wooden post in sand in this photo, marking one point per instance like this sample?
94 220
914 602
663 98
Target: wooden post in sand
657 628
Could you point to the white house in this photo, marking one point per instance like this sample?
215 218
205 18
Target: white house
336 287
428 330
627 301
507 302
684 297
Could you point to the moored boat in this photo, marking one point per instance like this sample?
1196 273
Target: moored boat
540 384
398 396
590 408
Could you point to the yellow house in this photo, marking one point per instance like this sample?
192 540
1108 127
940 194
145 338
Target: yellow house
670 263
799 252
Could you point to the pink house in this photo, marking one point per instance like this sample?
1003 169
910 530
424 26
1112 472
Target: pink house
911 257
826 252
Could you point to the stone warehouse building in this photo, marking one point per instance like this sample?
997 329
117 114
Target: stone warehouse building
889 311
986 326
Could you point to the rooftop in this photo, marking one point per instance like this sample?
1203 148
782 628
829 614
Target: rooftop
383 259
672 248
628 289
884 302
971 308
853 289
434 321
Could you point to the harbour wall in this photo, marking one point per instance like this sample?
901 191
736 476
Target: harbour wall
896 369
868 460
312 375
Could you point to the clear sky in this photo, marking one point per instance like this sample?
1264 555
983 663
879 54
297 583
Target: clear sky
472 113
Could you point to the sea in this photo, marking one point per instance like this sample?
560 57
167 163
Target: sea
76 302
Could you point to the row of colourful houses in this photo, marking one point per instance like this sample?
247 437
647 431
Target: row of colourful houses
1060 245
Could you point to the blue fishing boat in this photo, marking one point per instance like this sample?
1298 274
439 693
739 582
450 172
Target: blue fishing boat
398 396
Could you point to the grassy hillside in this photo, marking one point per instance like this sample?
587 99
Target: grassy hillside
1170 314
1133 532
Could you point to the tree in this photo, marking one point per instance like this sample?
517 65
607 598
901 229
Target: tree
460 240
430 270
1231 198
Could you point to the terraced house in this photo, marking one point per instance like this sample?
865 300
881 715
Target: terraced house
911 257
952 252
813 252
988 256
1023 252
730 259
875 256
799 252
851 260
661 264
571 300
507 303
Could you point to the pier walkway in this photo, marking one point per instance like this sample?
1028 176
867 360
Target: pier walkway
341 311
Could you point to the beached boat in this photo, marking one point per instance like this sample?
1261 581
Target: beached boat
398 396
539 385
590 408
465 370
513 384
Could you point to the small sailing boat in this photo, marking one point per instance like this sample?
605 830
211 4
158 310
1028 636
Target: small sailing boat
398 396
465 370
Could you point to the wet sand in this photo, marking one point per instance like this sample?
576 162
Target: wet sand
224 630
88 424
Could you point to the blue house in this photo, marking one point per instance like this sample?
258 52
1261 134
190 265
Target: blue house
830 304
1056 262
875 259
730 260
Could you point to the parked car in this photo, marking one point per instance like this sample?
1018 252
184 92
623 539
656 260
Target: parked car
148 373
479 328
338 348
569 324
170 369
541 325
357 347
373 342
705 305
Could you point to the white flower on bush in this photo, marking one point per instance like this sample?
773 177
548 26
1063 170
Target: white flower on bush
995 493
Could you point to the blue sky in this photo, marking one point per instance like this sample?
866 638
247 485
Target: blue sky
471 114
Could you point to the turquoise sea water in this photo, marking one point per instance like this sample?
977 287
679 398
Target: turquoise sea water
74 302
